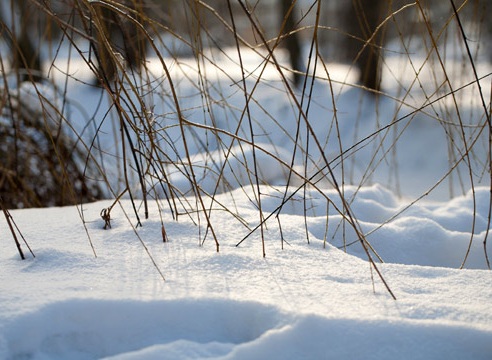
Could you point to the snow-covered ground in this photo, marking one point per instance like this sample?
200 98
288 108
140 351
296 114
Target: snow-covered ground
140 298
305 301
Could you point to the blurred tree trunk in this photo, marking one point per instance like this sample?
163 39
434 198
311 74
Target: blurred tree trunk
22 23
26 60
120 36
291 41
364 18
105 55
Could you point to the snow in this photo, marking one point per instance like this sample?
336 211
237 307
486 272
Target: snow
306 300
141 298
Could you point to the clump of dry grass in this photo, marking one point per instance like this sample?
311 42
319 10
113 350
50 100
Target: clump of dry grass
43 162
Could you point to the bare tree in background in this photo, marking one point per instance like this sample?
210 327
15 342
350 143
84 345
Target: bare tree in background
363 19
119 36
20 22
291 41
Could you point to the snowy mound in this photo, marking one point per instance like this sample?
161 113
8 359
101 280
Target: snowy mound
303 301
435 234
210 329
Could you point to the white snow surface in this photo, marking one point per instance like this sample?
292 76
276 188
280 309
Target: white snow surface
303 301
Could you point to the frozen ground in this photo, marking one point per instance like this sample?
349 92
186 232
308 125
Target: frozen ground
305 301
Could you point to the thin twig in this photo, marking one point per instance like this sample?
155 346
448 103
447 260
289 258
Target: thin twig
12 231
106 212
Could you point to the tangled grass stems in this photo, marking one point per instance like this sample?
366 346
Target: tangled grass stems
169 110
